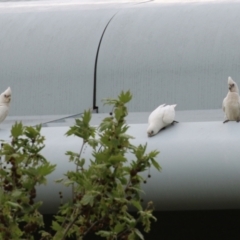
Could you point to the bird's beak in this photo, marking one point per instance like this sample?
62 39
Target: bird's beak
231 86
149 134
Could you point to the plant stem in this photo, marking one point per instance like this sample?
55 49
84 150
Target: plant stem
80 153
93 226
70 225
77 169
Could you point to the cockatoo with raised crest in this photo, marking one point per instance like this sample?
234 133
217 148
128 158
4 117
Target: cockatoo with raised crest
231 103
5 99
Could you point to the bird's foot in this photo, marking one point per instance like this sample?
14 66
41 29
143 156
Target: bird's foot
226 121
174 122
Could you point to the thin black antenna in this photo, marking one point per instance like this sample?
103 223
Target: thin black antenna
95 108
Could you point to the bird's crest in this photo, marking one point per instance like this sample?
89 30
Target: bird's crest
5 97
230 80
7 92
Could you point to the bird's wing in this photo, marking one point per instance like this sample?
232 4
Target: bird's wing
3 113
224 103
168 115
239 102
156 114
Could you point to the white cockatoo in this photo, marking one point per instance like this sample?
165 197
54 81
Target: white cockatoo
161 117
5 99
231 103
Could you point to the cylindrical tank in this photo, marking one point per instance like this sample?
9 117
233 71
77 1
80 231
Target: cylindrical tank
54 54
200 165
174 52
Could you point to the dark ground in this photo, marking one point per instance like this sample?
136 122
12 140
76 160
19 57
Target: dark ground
193 225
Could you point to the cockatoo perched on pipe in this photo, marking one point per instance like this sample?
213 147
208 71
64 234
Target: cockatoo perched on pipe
5 99
161 117
231 103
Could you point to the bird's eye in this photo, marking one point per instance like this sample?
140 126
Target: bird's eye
151 132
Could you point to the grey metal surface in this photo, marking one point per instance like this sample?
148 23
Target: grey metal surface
200 165
164 53
48 54
171 53
132 118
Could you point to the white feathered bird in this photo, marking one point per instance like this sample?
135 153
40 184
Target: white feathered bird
161 117
5 99
231 103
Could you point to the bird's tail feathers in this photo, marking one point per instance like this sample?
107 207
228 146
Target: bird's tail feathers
163 105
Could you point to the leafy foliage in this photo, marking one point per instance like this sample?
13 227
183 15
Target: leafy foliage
22 168
103 192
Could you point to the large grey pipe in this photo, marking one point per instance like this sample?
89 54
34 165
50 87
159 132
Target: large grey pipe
200 165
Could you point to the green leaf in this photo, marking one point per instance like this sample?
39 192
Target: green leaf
68 182
87 199
17 130
87 116
156 165
123 135
123 180
136 204
82 128
131 236
45 169
15 205
109 101
93 143
100 166
153 154
45 234
118 227
138 233
136 189
81 162
118 113
125 97
59 180
3 173
31 132
104 125
16 193
38 127
104 233
56 226
130 221
117 158
37 205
